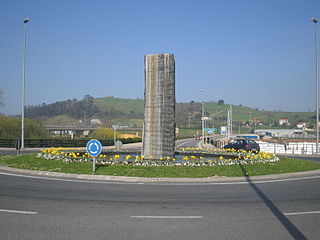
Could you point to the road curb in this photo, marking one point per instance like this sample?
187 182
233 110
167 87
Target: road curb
215 179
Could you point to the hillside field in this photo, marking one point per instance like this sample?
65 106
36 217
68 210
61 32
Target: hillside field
122 111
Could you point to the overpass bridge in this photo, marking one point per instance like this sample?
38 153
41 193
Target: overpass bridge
70 131
82 131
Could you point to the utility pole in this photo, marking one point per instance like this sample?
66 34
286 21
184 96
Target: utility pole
202 120
229 121
202 116
249 122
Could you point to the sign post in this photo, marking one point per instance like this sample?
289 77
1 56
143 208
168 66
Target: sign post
17 145
94 148
118 145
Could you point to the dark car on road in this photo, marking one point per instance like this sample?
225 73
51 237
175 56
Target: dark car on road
243 144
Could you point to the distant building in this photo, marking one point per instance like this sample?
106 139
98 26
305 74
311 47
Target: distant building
302 125
284 122
256 120
249 136
280 133
95 122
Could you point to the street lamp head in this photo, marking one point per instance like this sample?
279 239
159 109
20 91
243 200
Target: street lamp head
26 20
314 20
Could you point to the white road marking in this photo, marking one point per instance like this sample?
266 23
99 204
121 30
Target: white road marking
160 183
168 217
15 211
184 142
301 213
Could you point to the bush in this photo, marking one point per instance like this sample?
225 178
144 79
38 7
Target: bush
11 128
102 133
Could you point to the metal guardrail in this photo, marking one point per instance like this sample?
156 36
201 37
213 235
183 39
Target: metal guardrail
302 148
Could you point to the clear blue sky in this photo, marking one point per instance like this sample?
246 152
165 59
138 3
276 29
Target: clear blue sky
256 53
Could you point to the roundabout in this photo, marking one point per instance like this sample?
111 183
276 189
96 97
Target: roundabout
44 206
40 204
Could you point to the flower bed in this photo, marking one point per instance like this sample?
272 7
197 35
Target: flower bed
186 157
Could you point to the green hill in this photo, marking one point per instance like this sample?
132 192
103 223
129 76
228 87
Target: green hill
121 106
191 113
112 110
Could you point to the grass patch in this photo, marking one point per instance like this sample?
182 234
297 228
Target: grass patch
285 165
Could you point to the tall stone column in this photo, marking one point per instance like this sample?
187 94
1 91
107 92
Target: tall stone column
159 106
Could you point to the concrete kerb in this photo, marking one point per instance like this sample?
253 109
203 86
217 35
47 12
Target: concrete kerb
215 179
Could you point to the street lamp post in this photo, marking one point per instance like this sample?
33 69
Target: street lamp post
314 20
25 21
115 127
202 117
202 120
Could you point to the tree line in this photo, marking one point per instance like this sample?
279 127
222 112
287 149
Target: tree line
11 128
73 108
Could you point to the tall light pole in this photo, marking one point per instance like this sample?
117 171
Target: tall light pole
115 127
314 20
25 21
202 116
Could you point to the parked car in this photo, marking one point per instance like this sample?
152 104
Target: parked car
244 144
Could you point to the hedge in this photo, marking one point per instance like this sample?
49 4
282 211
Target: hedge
55 142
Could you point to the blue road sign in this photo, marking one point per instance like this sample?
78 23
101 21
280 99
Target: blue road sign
209 129
94 147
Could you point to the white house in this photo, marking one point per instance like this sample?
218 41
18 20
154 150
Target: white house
283 121
95 122
302 125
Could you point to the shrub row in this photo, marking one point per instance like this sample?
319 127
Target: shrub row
56 142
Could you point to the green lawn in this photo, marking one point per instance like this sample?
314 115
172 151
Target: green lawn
30 161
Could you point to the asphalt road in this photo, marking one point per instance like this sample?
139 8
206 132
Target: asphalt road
58 209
